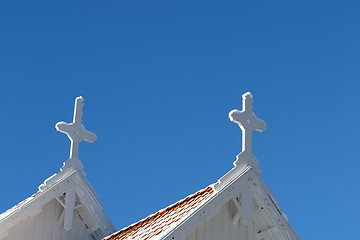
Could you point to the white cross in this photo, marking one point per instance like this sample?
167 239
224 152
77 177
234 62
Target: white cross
247 121
76 130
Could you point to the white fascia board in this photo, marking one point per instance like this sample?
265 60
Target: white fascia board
211 207
86 193
92 205
265 199
34 205
207 210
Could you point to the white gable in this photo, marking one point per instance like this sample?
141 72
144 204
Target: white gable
46 225
244 209
45 214
238 206
220 227
66 206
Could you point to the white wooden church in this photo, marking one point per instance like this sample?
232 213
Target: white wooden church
239 206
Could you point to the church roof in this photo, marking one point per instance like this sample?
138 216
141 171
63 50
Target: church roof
165 219
242 186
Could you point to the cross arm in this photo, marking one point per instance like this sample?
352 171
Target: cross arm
88 136
259 124
237 116
64 127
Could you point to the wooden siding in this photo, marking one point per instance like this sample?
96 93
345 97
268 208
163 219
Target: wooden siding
220 227
44 226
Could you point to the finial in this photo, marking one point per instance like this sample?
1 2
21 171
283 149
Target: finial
76 133
247 121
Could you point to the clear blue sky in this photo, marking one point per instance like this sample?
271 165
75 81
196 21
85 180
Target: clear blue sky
159 78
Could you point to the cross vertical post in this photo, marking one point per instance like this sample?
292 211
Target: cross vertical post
77 119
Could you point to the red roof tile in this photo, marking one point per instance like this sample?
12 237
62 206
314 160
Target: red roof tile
159 222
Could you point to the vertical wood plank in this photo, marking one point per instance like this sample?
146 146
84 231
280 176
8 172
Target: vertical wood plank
50 220
29 229
192 236
65 235
209 232
219 226
13 234
242 230
21 229
57 229
226 221
201 232
81 229
251 231
38 226
234 229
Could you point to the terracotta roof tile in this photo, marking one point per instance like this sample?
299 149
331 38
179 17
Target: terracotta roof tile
159 222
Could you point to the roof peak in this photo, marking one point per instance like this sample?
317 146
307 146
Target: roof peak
248 122
76 133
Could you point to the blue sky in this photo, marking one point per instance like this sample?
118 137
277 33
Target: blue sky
159 79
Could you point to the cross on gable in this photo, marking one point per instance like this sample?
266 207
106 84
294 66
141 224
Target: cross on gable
76 130
247 121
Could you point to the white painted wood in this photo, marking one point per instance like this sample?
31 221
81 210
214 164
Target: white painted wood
239 194
245 205
209 226
59 215
220 227
47 214
38 226
251 231
22 232
200 232
226 222
69 206
247 121
44 226
234 229
76 133
50 213
242 230
87 204
214 207
29 226
192 236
